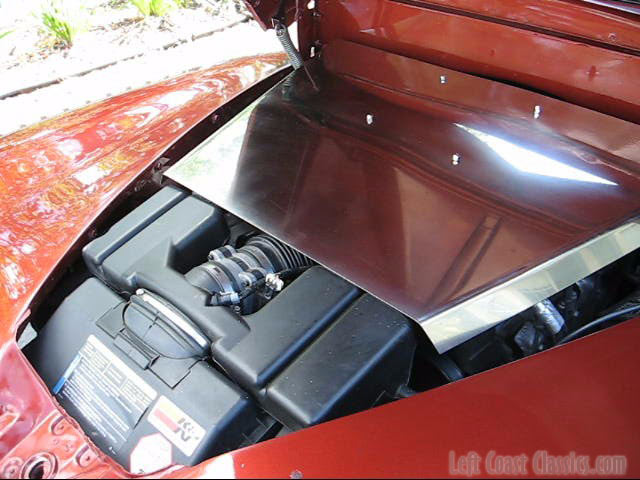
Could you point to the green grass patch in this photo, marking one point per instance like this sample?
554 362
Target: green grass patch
62 21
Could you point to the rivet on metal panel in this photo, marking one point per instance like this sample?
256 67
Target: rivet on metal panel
443 79
456 159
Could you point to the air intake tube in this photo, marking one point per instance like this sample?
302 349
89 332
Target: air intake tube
248 277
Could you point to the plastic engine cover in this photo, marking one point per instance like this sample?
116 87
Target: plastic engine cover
319 350
127 410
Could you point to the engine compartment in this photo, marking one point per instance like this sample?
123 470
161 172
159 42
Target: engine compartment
258 292
255 342
156 349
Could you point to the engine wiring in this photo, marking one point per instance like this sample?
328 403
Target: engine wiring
584 330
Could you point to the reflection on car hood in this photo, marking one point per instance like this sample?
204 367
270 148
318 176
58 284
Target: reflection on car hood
457 214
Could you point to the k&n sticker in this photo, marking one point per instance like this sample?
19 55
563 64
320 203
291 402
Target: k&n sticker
179 428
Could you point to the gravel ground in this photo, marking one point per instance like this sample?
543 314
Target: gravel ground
32 63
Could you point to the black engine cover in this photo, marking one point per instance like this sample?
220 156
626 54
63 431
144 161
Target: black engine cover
319 350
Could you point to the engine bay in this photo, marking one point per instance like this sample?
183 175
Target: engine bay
278 278
132 349
194 324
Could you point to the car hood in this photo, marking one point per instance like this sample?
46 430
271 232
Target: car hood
457 200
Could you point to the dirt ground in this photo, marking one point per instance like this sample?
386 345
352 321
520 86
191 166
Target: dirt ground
119 51
111 29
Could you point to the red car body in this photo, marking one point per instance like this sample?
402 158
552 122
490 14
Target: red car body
61 178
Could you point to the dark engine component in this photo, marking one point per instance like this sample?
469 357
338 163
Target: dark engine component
319 349
122 392
161 351
564 316
363 359
247 277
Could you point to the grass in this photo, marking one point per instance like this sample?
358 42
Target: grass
158 8
64 22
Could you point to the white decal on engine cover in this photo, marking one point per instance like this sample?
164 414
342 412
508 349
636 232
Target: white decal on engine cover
152 453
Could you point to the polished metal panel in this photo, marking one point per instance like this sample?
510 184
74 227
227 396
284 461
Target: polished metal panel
456 215
487 309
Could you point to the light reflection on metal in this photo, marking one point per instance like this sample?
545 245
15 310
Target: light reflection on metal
213 171
529 161
536 111
221 155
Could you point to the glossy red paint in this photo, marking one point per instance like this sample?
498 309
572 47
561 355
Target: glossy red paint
55 180
56 177
581 17
414 84
531 43
573 20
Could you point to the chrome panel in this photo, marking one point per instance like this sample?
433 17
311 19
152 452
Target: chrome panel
369 187
472 317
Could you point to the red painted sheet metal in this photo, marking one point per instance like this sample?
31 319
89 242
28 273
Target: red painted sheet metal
608 21
581 396
39 430
575 20
56 177
588 75
55 180
415 83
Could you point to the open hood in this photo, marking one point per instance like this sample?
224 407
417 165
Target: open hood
586 53
432 166
457 200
